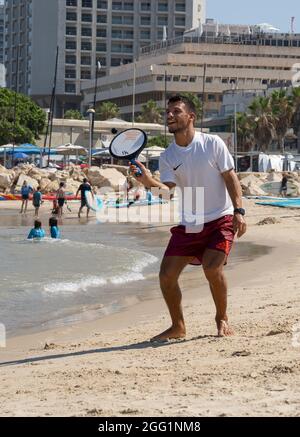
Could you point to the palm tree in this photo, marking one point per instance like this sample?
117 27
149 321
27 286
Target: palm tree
282 110
107 110
296 114
73 114
263 122
245 135
151 113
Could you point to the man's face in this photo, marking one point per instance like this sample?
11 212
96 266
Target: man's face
178 117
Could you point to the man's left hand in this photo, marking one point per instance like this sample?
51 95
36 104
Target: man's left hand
239 225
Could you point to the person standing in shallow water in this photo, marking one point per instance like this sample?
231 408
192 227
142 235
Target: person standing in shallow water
197 160
25 191
83 188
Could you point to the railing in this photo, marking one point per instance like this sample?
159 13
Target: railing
286 40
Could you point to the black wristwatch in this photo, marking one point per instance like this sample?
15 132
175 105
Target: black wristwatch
239 211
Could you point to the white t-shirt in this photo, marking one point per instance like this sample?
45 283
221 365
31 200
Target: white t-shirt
200 164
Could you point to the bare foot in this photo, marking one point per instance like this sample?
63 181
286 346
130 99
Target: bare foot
172 333
224 329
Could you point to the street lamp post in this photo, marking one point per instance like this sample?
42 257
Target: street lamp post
98 68
133 92
235 138
91 113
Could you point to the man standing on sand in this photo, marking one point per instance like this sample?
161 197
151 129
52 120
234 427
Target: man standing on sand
197 160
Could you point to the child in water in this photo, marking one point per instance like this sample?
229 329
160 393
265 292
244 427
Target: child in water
54 231
37 232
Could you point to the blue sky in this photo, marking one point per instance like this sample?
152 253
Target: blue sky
255 11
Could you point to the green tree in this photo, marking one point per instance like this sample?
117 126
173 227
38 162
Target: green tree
197 103
296 112
158 141
23 125
245 137
107 110
151 113
282 110
73 114
263 122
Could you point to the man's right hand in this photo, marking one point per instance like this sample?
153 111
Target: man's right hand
145 178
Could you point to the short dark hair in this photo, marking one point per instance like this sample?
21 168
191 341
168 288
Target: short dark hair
52 221
181 98
85 180
37 224
61 184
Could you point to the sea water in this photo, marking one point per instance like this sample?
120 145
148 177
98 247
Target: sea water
92 271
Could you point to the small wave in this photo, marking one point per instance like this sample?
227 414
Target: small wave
127 277
72 286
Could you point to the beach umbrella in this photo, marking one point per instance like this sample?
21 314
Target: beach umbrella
20 155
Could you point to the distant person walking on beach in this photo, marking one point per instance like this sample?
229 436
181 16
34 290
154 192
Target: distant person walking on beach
36 232
197 160
83 188
283 187
37 200
60 196
25 191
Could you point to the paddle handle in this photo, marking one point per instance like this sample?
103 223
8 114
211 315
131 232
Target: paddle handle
139 171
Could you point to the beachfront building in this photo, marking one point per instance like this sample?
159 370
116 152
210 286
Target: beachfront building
1 33
87 32
208 62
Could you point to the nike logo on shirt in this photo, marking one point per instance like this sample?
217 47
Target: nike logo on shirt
175 168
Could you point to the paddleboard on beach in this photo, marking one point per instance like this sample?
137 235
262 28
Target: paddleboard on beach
94 202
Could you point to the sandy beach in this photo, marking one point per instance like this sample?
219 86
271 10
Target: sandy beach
108 367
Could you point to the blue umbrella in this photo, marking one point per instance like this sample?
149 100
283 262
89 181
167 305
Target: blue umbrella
20 155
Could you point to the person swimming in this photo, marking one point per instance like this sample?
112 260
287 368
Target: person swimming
54 231
37 232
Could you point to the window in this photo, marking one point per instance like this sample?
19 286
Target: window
86 45
128 34
116 47
71 30
101 19
101 4
116 33
71 16
146 6
162 7
85 74
145 34
101 47
128 6
70 74
116 19
101 33
86 31
115 62
180 7
179 21
162 21
116 6
71 45
85 60
127 48
145 21
87 3
128 19
70 59
86 17
71 2
70 88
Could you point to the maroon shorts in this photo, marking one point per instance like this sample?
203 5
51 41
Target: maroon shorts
216 235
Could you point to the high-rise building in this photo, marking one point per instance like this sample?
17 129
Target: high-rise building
1 33
86 31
